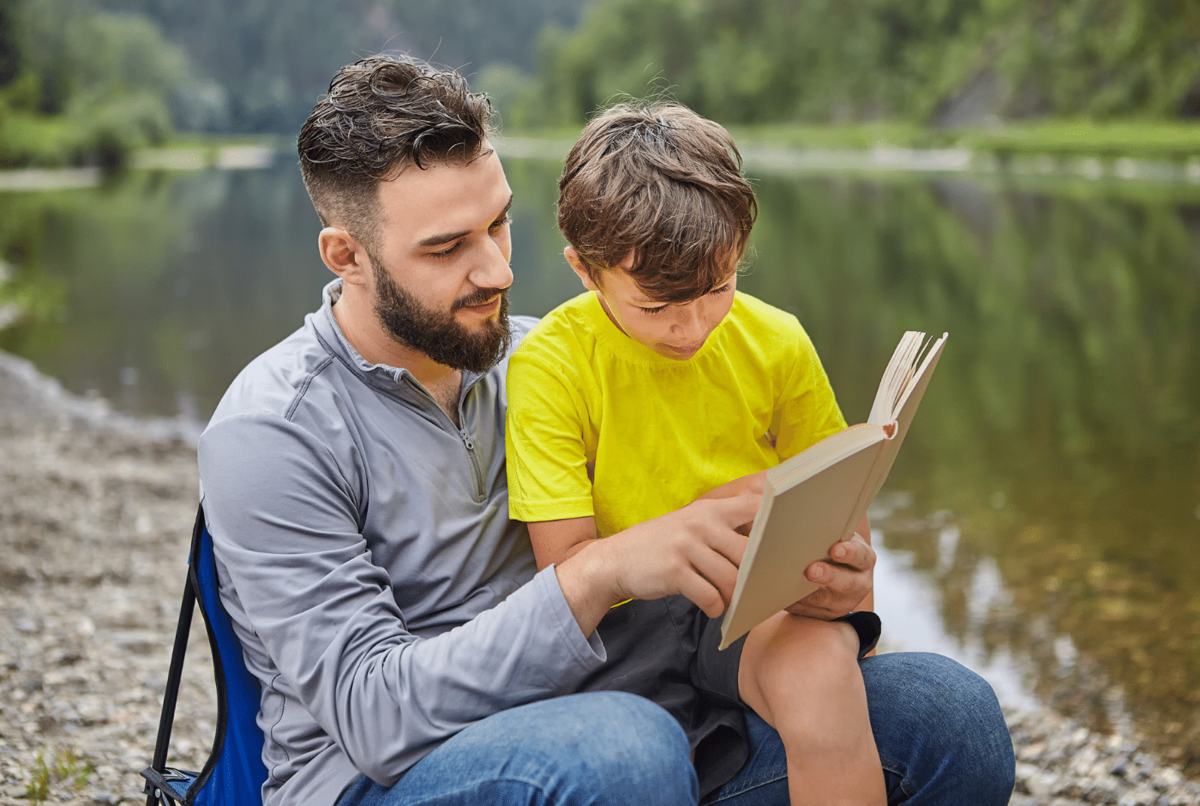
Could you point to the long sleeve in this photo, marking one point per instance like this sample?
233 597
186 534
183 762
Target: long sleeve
382 596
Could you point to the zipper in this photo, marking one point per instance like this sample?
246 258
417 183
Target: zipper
475 467
468 443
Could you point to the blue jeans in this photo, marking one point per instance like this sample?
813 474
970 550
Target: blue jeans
940 733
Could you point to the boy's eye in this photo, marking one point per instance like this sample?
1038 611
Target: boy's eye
500 222
722 289
652 311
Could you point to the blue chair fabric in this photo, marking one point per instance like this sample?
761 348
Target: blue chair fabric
234 772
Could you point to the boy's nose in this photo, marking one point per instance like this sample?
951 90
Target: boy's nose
690 322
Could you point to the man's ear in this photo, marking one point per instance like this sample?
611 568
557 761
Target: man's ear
573 258
344 255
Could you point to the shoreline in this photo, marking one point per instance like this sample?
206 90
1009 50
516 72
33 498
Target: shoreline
771 149
96 511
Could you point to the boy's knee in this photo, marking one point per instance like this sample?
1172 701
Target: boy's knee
818 655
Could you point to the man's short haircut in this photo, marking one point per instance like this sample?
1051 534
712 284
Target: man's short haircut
380 116
665 184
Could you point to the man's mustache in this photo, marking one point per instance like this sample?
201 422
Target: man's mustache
478 297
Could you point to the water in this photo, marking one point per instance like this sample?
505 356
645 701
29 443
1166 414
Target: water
1043 520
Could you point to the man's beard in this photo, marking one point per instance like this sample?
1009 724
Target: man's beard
438 334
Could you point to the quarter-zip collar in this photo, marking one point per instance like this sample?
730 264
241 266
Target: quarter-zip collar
396 381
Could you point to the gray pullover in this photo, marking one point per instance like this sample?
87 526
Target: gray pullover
382 596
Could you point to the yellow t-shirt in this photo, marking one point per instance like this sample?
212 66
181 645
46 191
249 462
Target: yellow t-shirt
600 425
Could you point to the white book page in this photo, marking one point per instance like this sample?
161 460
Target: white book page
895 378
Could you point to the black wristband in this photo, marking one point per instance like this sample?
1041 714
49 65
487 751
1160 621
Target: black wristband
867 625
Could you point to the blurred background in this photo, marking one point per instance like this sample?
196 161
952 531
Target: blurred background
1020 173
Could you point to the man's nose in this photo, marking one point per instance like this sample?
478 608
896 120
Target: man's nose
493 270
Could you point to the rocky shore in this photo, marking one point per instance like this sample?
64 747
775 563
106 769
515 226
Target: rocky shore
95 517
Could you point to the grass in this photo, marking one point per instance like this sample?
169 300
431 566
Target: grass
50 142
1176 140
27 139
39 141
1153 140
65 767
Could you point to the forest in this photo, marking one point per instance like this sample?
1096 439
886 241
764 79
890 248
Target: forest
87 81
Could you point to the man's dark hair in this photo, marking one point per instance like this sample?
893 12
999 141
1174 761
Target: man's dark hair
661 183
380 116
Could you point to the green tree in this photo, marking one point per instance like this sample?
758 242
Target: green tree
111 79
828 60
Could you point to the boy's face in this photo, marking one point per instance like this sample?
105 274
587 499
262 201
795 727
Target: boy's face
674 330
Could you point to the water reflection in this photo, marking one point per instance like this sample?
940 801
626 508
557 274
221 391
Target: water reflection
1044 518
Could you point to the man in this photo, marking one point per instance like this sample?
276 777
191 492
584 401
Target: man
353 477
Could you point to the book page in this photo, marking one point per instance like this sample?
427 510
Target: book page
895 378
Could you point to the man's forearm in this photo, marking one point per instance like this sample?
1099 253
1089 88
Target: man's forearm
586 582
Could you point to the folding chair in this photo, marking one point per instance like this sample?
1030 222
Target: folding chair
234 771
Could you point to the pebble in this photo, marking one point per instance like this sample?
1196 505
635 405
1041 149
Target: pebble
95 520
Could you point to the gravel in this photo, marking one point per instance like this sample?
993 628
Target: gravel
95 518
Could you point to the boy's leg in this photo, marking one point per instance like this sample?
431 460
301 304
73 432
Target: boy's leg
938 727
801 675
598 748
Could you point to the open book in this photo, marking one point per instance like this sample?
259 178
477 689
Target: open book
819 495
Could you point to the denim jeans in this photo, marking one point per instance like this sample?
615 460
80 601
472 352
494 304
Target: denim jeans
940 733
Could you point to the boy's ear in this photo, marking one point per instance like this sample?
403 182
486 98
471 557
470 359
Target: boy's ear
572 257
344 255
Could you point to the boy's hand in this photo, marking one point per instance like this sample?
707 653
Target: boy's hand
845 577
694 551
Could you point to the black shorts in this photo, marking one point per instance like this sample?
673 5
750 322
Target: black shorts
666 651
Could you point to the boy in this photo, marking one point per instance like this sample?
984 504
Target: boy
661 385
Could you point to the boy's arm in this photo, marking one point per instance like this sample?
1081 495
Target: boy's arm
555 541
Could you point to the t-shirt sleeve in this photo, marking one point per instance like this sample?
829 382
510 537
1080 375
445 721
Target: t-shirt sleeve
545 440
808 410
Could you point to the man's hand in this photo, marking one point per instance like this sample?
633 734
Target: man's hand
752 484
694 551
845 577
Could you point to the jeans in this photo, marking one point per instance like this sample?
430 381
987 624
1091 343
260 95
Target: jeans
940 733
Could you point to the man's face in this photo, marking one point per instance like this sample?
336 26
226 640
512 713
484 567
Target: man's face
441 271
674 330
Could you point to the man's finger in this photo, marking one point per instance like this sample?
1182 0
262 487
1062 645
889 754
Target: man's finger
738 510
718 569
704 595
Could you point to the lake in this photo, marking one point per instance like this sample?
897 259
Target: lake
1043 520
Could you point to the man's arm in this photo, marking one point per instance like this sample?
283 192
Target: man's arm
694 551
319 617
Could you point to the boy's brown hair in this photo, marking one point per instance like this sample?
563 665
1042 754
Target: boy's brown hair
665 184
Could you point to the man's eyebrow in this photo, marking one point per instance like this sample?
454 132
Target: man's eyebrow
438 240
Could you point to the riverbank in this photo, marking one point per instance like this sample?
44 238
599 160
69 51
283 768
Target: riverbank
1111 154
95 517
